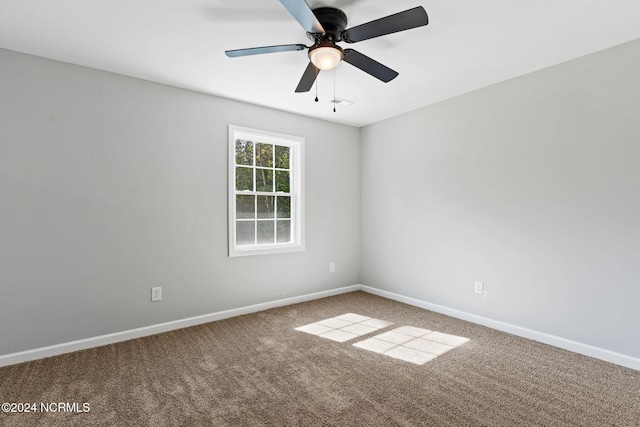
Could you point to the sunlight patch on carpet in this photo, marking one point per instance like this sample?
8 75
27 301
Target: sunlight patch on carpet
344 327
411 344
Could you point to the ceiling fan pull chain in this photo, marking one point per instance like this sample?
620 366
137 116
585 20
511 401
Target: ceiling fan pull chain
316 81
334 90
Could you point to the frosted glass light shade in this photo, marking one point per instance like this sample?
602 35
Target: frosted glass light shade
326 57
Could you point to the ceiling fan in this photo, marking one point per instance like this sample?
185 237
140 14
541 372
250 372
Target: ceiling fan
325 26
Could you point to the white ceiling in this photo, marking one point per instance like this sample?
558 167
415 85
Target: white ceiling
467 45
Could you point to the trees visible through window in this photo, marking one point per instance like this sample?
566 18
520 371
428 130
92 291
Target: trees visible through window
265 192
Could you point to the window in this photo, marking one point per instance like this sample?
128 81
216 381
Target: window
266 184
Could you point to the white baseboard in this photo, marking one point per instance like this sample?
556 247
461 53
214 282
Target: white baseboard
574 346
83 344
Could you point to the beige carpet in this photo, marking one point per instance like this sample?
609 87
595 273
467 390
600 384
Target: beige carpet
259 370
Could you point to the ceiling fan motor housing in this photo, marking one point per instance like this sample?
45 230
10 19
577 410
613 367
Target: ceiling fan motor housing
334 22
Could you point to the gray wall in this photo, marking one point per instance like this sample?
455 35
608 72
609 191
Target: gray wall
110 185
531 186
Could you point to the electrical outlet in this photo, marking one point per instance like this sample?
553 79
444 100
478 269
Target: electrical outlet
156 294
332 267
478 287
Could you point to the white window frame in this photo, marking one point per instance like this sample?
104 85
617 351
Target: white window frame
296 154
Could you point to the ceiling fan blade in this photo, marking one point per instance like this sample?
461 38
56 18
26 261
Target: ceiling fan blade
406 20
301 11
308 78
368 65
265 49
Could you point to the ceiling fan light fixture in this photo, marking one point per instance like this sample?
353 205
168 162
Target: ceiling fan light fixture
326 57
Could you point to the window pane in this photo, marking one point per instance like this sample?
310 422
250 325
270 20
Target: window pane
265 232
245 233
265 206
264 180
282 181
264 155
283 231
245 207
284 207
244 179
282 157
265 199
244 152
